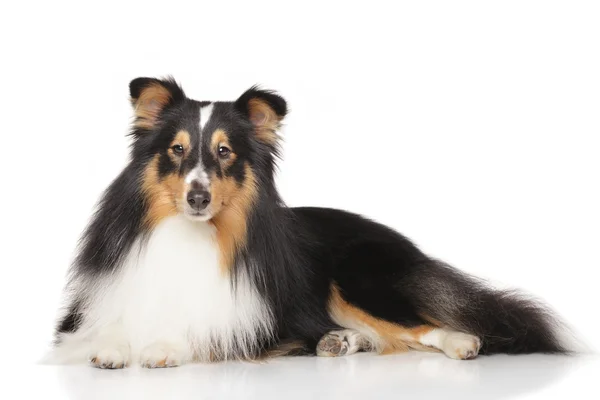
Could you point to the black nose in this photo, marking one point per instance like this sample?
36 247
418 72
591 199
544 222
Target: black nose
198 199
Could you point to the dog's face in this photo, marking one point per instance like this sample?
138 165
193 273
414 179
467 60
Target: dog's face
202 159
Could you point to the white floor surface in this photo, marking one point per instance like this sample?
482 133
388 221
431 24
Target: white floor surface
361 376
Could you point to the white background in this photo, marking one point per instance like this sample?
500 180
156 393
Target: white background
471 127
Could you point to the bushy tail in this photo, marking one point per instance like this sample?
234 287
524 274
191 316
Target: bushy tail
505 320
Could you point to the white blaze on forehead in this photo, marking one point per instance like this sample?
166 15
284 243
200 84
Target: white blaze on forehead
199 173
205 113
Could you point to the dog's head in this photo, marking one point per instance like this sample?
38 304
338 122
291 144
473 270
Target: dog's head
203 159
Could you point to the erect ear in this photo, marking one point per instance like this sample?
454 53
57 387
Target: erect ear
150 96
265 109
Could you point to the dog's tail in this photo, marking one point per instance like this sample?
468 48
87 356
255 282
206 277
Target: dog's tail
507 321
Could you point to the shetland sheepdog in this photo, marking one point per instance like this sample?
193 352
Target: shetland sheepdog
192 256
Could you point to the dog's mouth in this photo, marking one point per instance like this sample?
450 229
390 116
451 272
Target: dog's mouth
199 216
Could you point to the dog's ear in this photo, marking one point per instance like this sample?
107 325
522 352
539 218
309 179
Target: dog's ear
150 96
265 109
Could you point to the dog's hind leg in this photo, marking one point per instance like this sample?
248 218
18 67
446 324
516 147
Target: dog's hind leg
342 343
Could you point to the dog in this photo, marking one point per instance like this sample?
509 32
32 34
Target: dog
192 256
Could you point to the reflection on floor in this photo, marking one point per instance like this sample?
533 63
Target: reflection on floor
361 376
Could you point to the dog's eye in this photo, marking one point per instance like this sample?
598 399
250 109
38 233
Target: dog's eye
224 152
177 149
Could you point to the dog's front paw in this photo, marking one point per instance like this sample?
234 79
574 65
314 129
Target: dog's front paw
161 355
110 358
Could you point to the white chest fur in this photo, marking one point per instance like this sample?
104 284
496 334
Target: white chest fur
172 290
